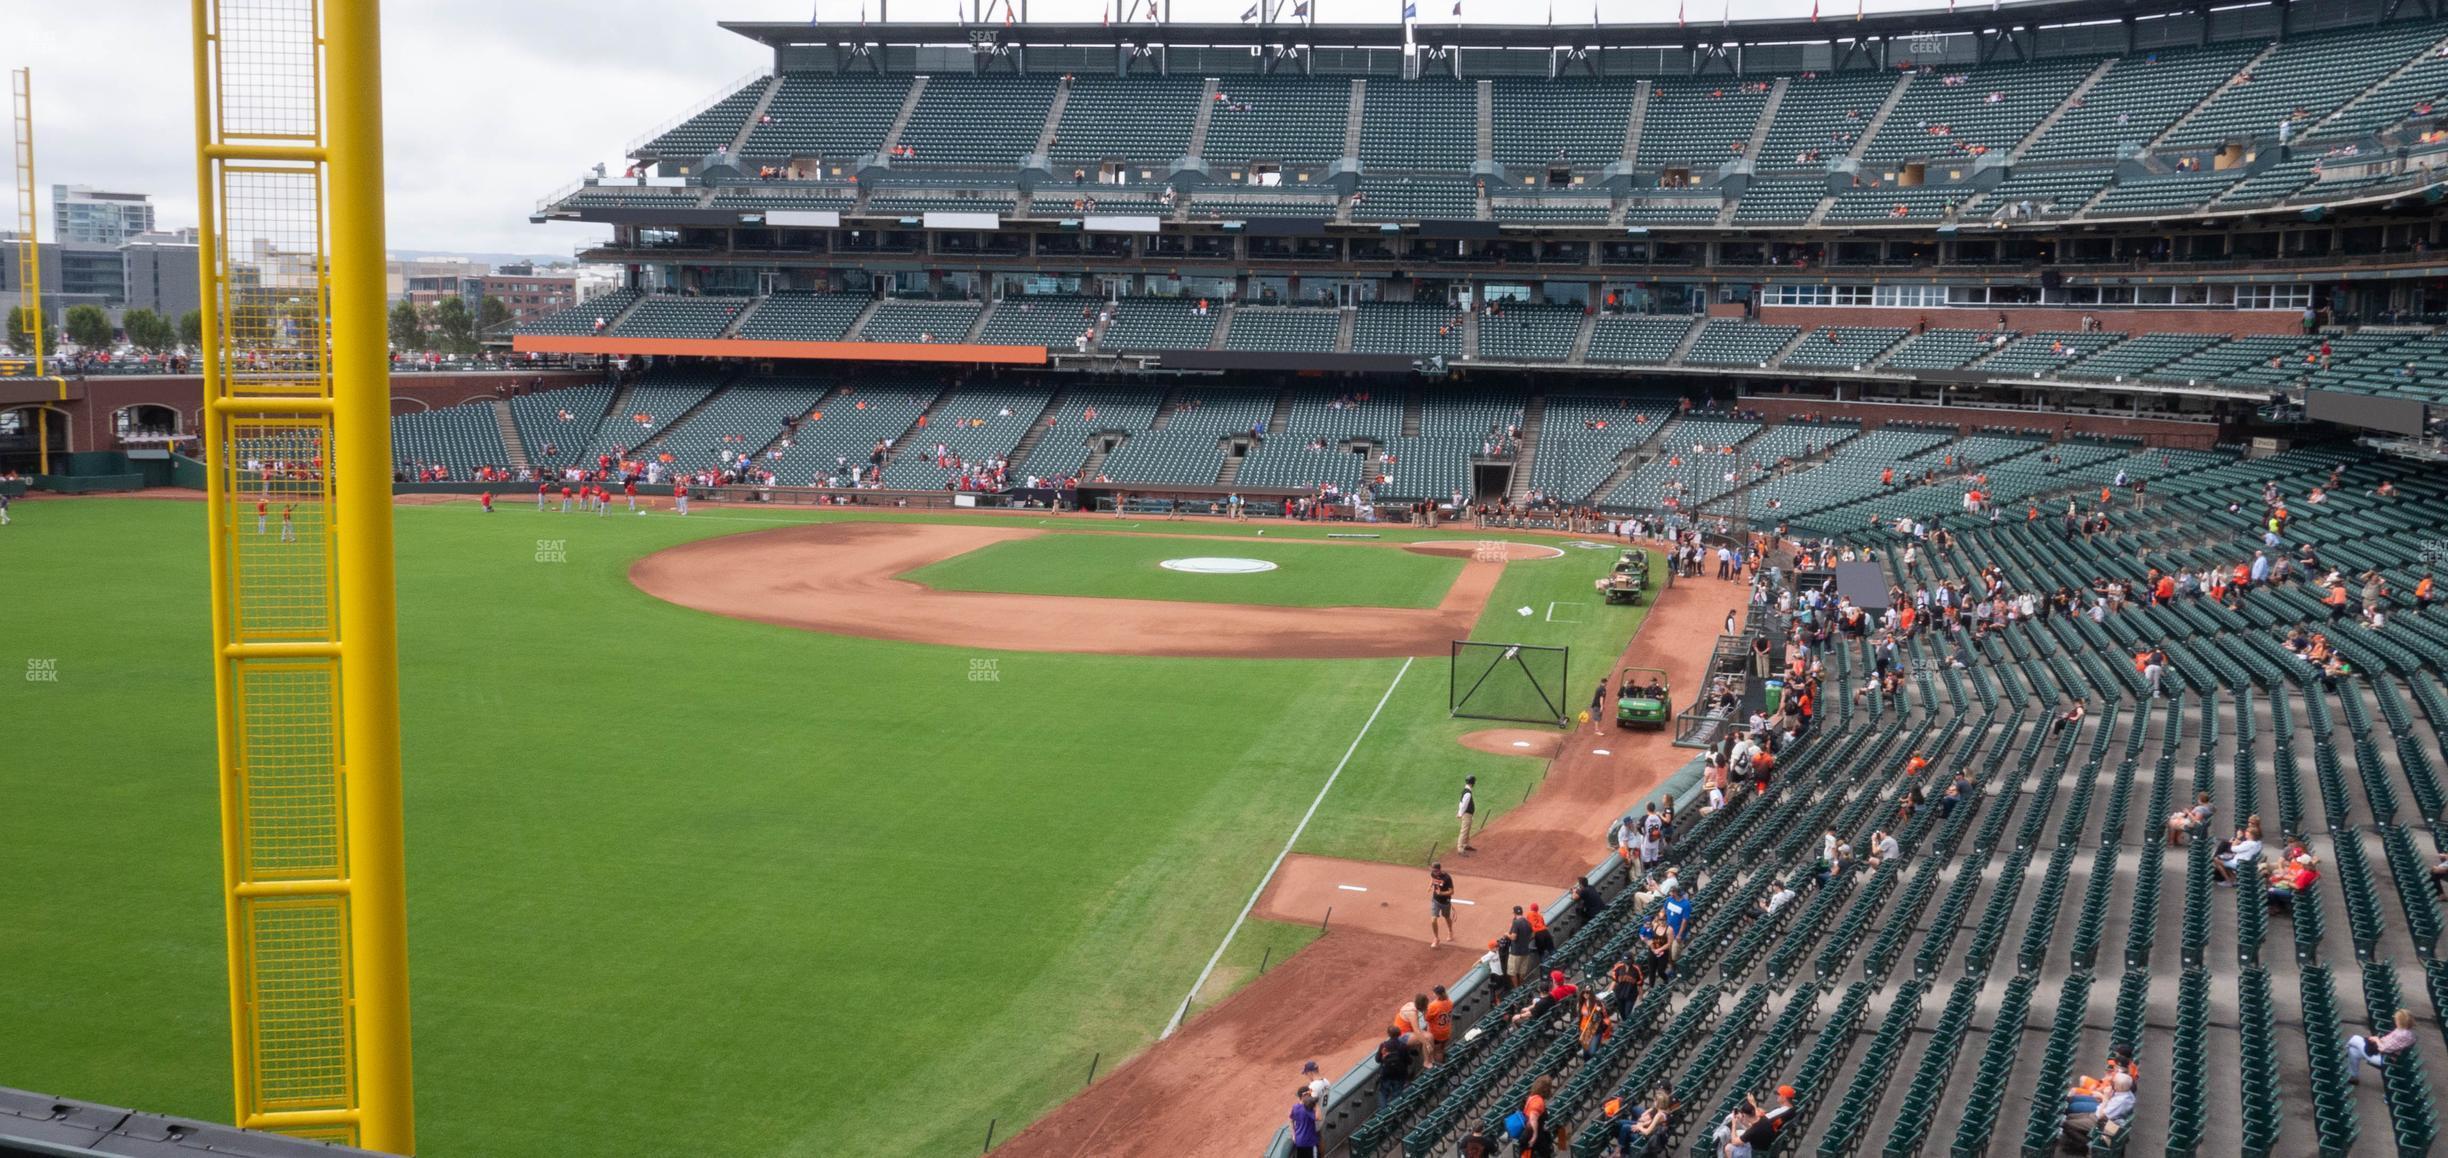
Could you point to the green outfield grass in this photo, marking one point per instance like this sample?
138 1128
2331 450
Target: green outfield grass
1307 574
1396 798
773 892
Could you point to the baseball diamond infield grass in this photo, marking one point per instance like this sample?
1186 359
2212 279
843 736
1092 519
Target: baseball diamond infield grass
676 876
1307 574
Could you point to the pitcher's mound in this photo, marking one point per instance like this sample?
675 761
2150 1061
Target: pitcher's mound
1514 742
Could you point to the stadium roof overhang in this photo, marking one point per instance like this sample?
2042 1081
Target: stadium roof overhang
1871 26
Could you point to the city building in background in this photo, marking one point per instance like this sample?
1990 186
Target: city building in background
84 216
530 293
159 273
57 296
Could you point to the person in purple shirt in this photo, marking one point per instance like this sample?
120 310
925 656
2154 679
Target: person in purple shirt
1305 1125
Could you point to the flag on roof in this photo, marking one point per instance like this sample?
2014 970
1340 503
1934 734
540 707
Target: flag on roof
1457 7
1300 10
1008 21
1250 15
1410 10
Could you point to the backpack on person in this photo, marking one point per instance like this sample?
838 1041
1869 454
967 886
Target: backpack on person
1517 1125
1394 1060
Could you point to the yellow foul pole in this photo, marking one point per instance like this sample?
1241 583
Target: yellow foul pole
29 253
361 381
297 449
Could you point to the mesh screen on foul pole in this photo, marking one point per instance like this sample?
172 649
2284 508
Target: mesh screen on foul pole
297 449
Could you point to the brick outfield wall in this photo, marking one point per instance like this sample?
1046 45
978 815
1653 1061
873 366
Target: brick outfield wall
2165 432
91 426
2028 321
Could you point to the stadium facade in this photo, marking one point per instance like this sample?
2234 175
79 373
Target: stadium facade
2148 200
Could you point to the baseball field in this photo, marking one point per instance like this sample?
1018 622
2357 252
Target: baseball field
766 832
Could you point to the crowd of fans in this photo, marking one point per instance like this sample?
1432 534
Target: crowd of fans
1794 623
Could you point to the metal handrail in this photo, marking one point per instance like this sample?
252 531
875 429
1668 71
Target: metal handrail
703 103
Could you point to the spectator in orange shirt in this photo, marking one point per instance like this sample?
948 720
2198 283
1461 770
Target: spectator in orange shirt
1542 942
1412 1018
1440 1024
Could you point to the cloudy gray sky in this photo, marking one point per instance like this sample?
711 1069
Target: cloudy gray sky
493 104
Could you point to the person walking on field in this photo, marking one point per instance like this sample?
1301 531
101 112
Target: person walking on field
289 523
487 500
1440 903
680 497
1597 709
1466 812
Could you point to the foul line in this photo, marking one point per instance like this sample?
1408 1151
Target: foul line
1184 1008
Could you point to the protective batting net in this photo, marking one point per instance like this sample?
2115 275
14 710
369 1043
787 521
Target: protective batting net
1509 681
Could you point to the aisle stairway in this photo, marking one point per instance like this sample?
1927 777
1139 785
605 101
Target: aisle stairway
510 435
1534 418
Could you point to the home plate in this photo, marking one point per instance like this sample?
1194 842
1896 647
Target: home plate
1352 888
1460 901
1600 752
1521 743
